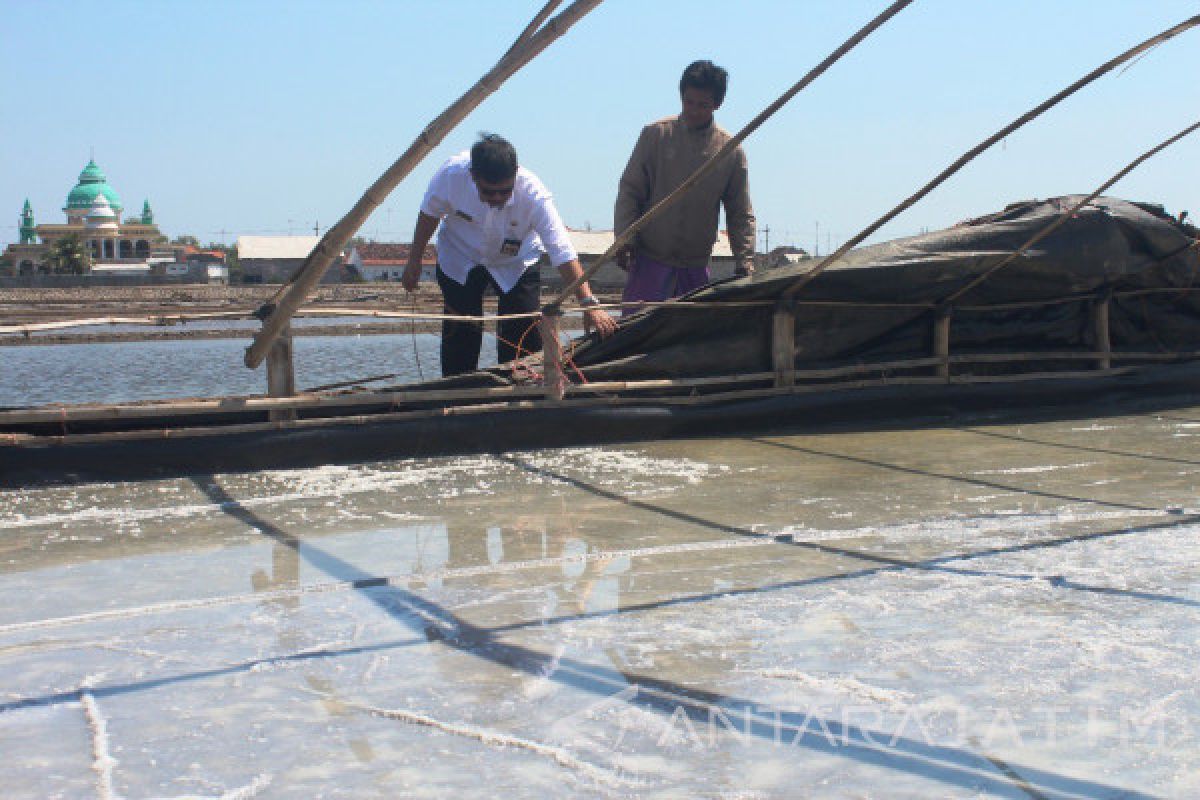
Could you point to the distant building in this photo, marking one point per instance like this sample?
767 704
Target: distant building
193 265
94 217
274 259
590 245
385 261
784 255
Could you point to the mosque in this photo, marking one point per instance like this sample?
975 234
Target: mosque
94 217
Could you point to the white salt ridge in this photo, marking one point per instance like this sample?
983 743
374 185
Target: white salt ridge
840 684
494 739
1032 470
103 762
999 522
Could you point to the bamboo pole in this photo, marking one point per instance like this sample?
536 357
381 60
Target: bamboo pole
941 342
674 306
533 26
281 374
552 358
783 346
627 235
507 394
335 239
20 441
1100 334
790 293
1071 212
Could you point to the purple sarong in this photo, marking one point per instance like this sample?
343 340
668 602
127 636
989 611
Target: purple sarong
653 281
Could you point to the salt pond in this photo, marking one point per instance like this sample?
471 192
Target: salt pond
124 371
991 609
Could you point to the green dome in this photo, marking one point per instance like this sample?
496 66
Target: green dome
91 183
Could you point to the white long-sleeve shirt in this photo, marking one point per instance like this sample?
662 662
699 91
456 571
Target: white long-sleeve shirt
506 241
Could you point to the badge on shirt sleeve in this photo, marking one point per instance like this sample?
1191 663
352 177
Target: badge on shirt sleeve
510 247
463 215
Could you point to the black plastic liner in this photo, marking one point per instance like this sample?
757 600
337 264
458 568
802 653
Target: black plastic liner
1110 245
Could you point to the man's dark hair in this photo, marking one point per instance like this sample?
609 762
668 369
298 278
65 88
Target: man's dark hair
493 159
707 76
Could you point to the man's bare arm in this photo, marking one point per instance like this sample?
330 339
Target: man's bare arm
422 233
593 318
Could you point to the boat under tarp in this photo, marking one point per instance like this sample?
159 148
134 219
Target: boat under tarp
1102 313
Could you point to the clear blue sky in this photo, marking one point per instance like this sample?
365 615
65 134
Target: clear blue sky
257 116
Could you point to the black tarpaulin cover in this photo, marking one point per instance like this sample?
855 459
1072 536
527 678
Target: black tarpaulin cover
1110 245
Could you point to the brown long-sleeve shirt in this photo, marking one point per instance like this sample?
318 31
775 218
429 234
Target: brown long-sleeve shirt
666 153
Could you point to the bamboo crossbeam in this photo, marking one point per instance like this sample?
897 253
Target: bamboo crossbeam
34 327
395 399
526 48
238 405
629 233
790 293
1069 213
20 440
158 320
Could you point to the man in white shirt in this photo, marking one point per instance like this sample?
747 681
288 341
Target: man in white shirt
496 220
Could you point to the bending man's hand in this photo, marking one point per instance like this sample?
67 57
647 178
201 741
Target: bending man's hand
598 320
411 277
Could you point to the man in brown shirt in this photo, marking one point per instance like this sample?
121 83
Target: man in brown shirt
670 256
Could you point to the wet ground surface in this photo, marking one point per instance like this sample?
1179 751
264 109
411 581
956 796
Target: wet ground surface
987 610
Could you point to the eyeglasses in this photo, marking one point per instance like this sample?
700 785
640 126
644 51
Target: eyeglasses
494 191
486 190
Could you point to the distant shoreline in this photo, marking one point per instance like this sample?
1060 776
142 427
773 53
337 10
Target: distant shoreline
176 334
32 306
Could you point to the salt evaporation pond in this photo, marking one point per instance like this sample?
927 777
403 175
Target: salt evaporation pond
116 372
989 609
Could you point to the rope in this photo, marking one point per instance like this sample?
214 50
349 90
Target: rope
378 314
413 331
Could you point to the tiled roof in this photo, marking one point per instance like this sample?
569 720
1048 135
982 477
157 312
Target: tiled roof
378 254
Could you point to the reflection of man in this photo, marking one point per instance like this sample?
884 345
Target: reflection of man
496 221
670 255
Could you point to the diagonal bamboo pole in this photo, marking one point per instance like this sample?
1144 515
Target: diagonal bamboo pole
626 237
523 51
1069 213
534 25
789 294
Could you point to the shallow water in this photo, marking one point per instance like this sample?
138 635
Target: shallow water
123 371
248 325
989 610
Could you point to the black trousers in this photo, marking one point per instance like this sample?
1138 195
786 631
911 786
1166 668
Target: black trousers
461 340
